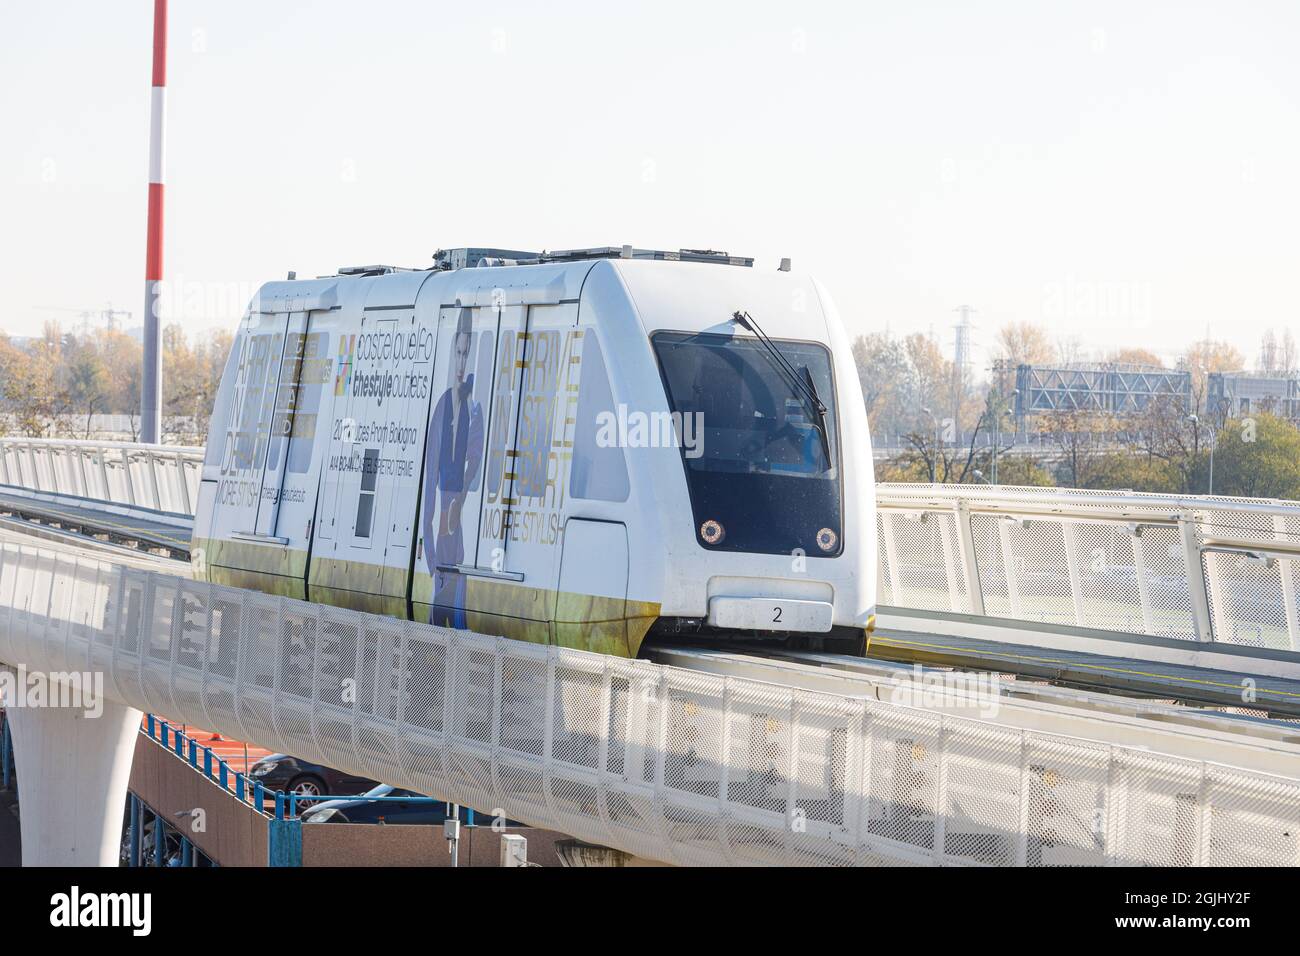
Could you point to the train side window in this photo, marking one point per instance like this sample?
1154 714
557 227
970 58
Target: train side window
221 407
599 471
366 498
306 388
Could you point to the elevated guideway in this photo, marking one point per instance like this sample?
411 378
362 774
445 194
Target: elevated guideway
1188 598
1226 681
1261 743
748 756
141 496
790 763
87 519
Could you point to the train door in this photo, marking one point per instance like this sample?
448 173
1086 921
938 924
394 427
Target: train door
461 417
496 468
529 456
370 493
503 462
262 351
283 514
261 519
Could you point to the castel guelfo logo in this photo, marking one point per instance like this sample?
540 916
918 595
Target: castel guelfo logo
342 378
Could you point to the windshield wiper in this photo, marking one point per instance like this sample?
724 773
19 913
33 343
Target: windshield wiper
782 363
821 416
803 385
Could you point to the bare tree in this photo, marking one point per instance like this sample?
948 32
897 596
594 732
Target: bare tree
1019 343
882 368
1069 350
1201 360
1278 356
1023 343
1288 355
1082 438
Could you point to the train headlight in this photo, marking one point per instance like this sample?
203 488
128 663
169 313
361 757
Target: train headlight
711 532
827 539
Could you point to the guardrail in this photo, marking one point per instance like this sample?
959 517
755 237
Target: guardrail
216 770
1195 568
157 477
208 762
1200 569
664 763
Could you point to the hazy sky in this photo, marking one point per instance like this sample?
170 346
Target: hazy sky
1124 171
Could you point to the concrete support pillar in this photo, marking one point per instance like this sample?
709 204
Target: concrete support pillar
73 771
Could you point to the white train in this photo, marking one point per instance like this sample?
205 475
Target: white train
586 448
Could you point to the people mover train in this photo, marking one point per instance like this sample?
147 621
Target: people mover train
587 448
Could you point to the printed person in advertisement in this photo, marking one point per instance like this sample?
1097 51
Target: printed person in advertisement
453 459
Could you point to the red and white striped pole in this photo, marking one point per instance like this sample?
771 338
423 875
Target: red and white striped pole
151 385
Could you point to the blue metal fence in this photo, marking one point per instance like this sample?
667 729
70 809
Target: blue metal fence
284 844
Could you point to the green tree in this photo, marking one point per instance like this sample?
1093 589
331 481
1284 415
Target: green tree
1021 470
1258 457
1133 471
905 467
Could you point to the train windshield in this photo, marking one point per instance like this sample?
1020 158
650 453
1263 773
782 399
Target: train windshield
761 459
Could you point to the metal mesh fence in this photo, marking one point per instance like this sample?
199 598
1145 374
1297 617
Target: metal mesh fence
665 763
1187 567
158 477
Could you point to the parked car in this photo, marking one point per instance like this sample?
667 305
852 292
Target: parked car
295 775
365 809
